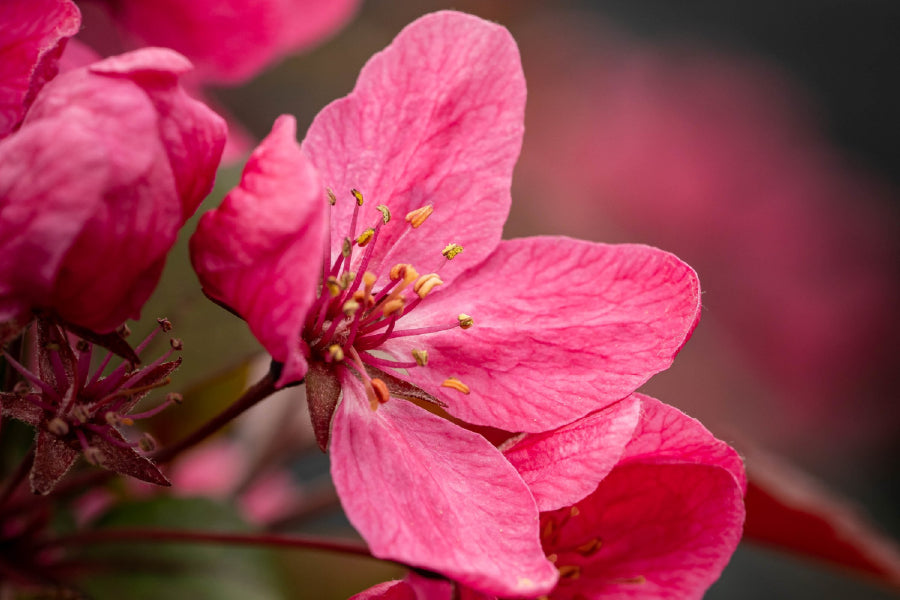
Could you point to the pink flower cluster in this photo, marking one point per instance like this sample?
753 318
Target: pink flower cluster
368 262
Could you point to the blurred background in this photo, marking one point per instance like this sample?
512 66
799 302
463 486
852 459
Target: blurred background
757 141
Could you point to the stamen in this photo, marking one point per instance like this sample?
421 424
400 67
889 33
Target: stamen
426 283
421 357
465 321
350 307
147 443
148 413
335 353
346 247
569 571
124 330
57 427
385 213
176 344
34 379
334 288
358 195
416 217
164 324
383 362
382 394
365 237
332 199
590 547
456 384
392 306
451 251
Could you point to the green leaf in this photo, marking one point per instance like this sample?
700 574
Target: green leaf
153 570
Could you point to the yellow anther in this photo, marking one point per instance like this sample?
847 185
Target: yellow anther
589 548
359 295
365 237
418 216
385 213
392 306
334 288
569 571
369 279
57 427
451 251
346 247
346 279
426 283
350 307
127 421
456 384
410 275
421 357
358 195
332 199
336 352
465 321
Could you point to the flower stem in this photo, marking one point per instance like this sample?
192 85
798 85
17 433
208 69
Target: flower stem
119 535
262 389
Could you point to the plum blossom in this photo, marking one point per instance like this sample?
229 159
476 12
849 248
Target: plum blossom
109 162
662 518
368 262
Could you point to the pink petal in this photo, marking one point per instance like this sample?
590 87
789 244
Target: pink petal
430 494
562 328
232 40
389 590
664 531
33 36
788 510
564 465
259 252
666 435
435 118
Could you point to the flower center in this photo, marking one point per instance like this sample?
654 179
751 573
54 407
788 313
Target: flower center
356 312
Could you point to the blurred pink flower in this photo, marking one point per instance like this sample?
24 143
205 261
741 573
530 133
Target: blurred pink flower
109 162
33 36
230 41
561 327
714 159
662 523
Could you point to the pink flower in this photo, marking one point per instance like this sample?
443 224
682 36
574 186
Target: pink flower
33 36
662 523
110 161
418 299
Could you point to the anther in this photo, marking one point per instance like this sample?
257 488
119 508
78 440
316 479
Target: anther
426 283
350 307
334 288
93 455
346 247
82 346
22 388
57 427
176 344
332 199
465 321
590 547
569 571
124 331
359 295
418 216
392 306
382 394
346 279
365 237
174 398
421 356
358 195
385 213
80 414
456 384
336 353
164 324
451 251
574 512
552 558
398 271
147 443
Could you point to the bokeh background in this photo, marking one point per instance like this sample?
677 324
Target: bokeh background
759 142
